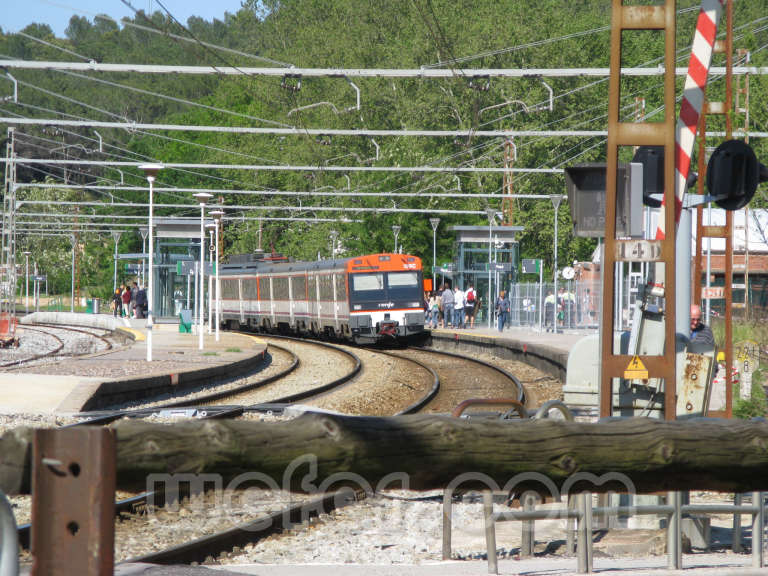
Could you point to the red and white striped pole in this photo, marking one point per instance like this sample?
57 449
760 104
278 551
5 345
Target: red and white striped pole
693 99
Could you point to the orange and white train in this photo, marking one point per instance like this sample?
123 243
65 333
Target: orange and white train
364 299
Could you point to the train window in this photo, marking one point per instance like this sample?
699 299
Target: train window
249 288
397 279
280 288
341 287
326 287
264 291
229 289
367 282
312 291
299 287
404 286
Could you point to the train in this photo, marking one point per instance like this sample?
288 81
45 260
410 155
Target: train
364 299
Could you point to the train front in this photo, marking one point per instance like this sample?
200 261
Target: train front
386 298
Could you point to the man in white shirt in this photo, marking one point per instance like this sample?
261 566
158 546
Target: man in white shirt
458 308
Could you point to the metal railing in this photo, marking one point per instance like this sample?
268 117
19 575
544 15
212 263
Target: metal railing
584 512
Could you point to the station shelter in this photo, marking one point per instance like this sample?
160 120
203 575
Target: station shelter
473 261
176 264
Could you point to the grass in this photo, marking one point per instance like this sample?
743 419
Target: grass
757 404
210 353
235 349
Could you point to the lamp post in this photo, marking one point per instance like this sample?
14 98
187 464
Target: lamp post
201 198
556 199
435 223
333 234
26 281
116 235
491 215
150 171
396 231
217 214
211 248
73 240
143 276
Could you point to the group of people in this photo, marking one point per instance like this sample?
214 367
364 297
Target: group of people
130 301
451 307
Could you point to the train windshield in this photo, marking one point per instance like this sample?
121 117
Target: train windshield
385 290
403 285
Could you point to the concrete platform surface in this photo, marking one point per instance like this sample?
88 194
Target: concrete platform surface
562 341
700 564
86 382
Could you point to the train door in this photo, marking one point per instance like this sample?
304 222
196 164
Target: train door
240 300
335 304
291 303
272 302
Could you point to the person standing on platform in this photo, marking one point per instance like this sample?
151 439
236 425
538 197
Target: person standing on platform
549 311
126 297
117 302
470 296
502 309
447 301
134 292
458 308
141 303
700 332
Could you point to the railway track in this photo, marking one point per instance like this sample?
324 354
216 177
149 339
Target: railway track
443 379
55 346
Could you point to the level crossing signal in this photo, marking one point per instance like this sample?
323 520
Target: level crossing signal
733 173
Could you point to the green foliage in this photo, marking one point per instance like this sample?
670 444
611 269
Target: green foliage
336 34
757 405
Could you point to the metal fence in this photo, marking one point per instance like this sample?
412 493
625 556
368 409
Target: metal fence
576 305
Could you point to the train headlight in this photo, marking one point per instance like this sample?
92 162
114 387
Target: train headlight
357 307
415 305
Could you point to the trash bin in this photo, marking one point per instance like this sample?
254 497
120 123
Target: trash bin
89 306
96 307
185 321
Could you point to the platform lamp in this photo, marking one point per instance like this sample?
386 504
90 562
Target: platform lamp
211 247
556 199
26 282
217 214
150 171
143 230
396 231
491 215
333 234
435 223
202 197
116 235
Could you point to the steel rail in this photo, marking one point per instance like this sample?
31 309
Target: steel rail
200 549
32 358
520 388
291 398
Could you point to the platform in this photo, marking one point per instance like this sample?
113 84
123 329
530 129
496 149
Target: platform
96 381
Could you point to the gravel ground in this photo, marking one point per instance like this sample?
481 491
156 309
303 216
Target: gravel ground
318 365
37 340
385 386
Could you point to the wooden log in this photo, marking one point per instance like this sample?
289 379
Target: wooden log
432 451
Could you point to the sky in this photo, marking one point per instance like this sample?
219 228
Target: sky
15 15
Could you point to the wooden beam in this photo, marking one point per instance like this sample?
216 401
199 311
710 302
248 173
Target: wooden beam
432 451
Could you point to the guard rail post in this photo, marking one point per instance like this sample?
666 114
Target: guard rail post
736 544
758 523
527 538
490 532
447 522
674 532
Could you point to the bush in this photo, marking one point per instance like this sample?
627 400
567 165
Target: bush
757 405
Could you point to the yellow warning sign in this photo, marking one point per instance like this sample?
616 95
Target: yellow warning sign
636 370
